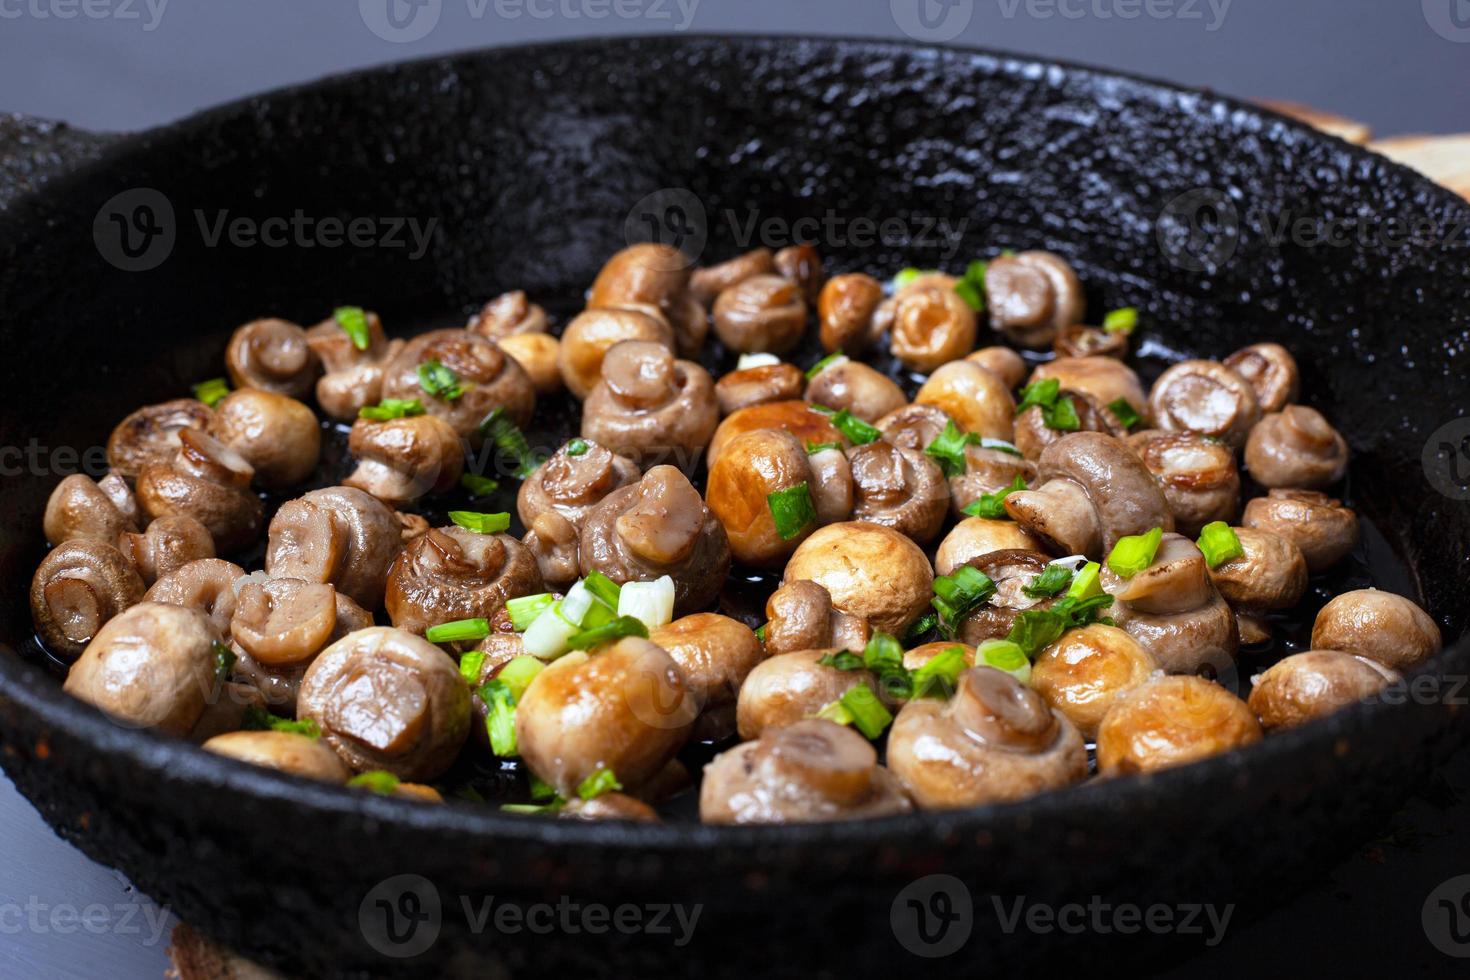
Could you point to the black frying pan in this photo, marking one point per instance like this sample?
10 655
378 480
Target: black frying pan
529 160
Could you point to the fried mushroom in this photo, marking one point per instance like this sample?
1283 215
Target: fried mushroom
655 276
452 573
803 265
539 355
276 434
800 616
1315 684
151 434
508 315
167 544
1002 362
651 407
853 385
716 654
1173 608
898 488
400 460
1296 447
1380 626
975 537
788 688
485 379
1319 525
796 417
206 585
1271 574
1085 672
298 755
572 481
976 399
928 327
272 355
1198 476
871 572
752 468
1104 378
1034 433
1271 371
353 376
79 587
708 283
279 627
758 386
339 535
988 470
845 313
210 482
1032 297
1171 721
1205 397
587 339
98 510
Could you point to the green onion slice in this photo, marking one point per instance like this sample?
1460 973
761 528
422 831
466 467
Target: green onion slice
508 439
608 592
1135 553
439 381
524 609
1007 656
1125 413
792 509
615 629
479 486
600 782
391 408
993 505
376 781
971 286
259 720
938 677
353 321
824 364
812 448
842 660
955 595
948 449
1061 415
1039 393
518 674
1219 543
1087 583
481 523
458 631
1052 580
224 661
868 713
470 666
1123 321
211 392
857 432
500 721
578 447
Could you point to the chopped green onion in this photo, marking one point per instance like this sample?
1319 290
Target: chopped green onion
470 666
938 676
882 653
812 448
259 720
1087 583
908 276
868 713
1039 393
948 449
547 636
532 809
458 631
481 523
993 505
920 626
518 674
760 633
603 589
224 661
1134 553
391 408
651 603
607 633
842 660
1001 445
857 432
353 321
541 789
508 439
1123 321
578 447
1061 416
824 364
439 381
524 609
971 286
600 782
212 391
500 721
792 509
1125 413
955 595
599 614
376 781
1036 629
1007 656
1219 543
479 486
835 711
1052 580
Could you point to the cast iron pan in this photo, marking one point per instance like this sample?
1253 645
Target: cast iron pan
530 160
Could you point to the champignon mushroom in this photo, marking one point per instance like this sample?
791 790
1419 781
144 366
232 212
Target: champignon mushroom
845 313
1381 626
871 571
206 584
210 482
339 535
976 399
650 407
1104 378
1170 721
167 544
1271 574
276 434
587 339
609 806
988 470
484 378
1091 491
898 488
762 313
1319 525
400 460
353 377
279 627
758 386
1034 432
928 327
508 315
386 699
655 276
539 355
803 265
555 543
1032 296
272 355
853 385
789 687
1012 572
1205 397
1082 674
708 283
1083 341
658 526
925 652
1314 684
80 585
1271 371
572 481
914 426
800 616
1173 608
626 708
98 510
715 654
452 573
1198 476
798 418
1296 447
151 666
813 770
978 536
995 740
1002 362
288 752
752 469
151 434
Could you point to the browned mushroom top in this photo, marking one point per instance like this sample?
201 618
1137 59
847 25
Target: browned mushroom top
1032 296
988 469
1034 433
1170 721
1271 371
976 536
538 355
796 417
1106 379
210 482
1296 447
1378 625
79 586
855 386
451 574
1319 525
168 543
715 654
82 508
845 313
272 355
658 526
762 313
401 460
572 483
928 326
803 265
507 315
1003 362
207 584
758 386
708 283
655 276
751 468
1198 474
1270 574
1084 341
151 434
787 688
650 407
339 535
914 426
287 752
1205 397
1314 684
475 378
975 398
354 376
276 434
586 341
812 770
898 488
871 572
1083 673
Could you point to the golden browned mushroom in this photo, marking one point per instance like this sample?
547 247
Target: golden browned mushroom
151 434
1271 371
845 313
658 526
803 265
762 313
1082 674
1205 397
811 771
152 666
210 482
461 377
272 355
1173 608
927 327
715 654
655 276
925 652
995 740
1170 721
586 341
538 354
401 460
1091 491
510 314
279 627
452 573
988 470
626 708
80 585
853 385
1319 525
339 535
276 434
298 755
790 687
572 481
1270 575
556 545
1378 625
1034 433
871 571
650 407
1296 447
386 699
609 806
977 536
976 399
708 283
749 471
800 616
353 377
1084 341
758 386
1032 297
1314 684
1104 378
206 584
166 544
1198 475
812 428
1002 362
914 426
97 510
898 488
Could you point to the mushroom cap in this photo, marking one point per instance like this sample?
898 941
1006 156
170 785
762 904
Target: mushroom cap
914 426
452 573
796 417
1084 672
538 354
609 806
707 283
510 314
871 571
80 507
353 378
754 466
648 273
1032 296
975 537
1170 721
167 544
572 485
1106 379
800 616
284 621
758 386
853 385
929 327
1033 434
715 654
401 460
987 471
272 355
206 584
339 535
287 752
925 652
1205 397
586 340
1012 572
761 313
151 434
1319 525
790 687
898 488
1079 340
1296 447
1271 574
556 545
1380 626
209 482
845 312
1199 477
278 435
1003 362
976 399
79 586
490 379
803 265
650 407
1314 684
1271 371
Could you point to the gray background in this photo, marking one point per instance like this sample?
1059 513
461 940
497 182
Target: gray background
1382 61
